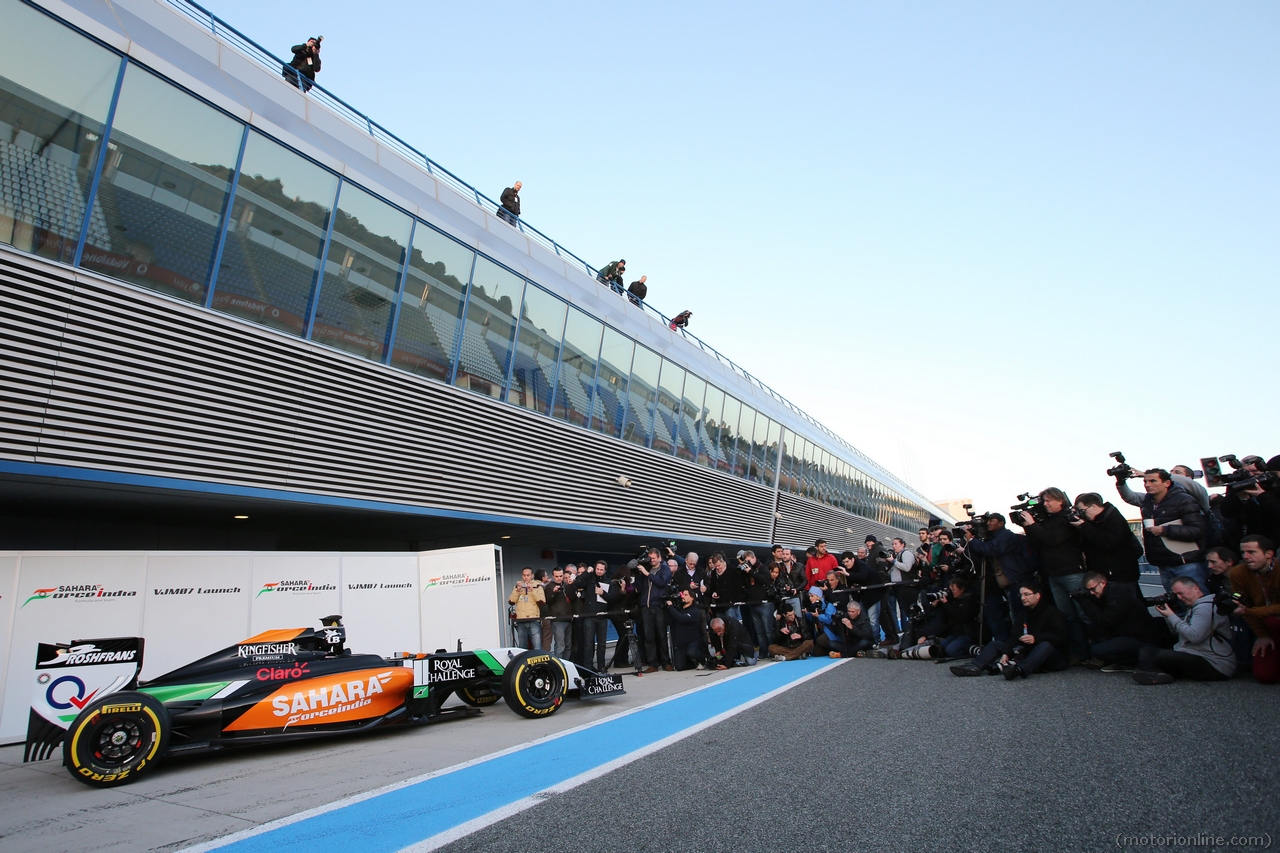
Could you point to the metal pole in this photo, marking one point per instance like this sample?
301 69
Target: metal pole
226 220
92 198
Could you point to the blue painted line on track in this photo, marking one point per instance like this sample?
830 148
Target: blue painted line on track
396 819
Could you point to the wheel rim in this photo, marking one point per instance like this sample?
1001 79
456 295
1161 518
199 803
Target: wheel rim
538 683
118 741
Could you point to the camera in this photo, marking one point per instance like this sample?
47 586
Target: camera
1167 599
1073 514
1226 602
1238 479
1122 470
1080 595
1032 505
931 597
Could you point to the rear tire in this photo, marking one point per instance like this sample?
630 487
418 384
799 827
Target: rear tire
477 697
533 684
116 739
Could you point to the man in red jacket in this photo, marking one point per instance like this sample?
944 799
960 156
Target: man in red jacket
817 566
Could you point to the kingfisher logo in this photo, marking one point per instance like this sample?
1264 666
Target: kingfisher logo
88 591
303 587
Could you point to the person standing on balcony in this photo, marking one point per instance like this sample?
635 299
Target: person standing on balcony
509 212
680 321
612 274
638 290
302 70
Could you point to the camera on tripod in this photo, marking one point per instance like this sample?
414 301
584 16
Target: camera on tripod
1123 470
1032 505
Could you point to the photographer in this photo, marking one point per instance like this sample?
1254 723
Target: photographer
952 622
1173 529
901 568
730 645
687 630
560 598
755 597
594 592
794 573
623 607
1119 623
1109 545
861 575
857 636
688 576
1255 509
1203 651
1057 543
821 616
1040 645
1001 554
1257 580
528 597
723 588
781 591
835 591
305 65
653 585
792 639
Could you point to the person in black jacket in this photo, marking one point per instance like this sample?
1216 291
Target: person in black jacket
1001 554
1119 623
1040 644
638 290
952 622
1173 529
509 212
560 599
302 69
731 644
792 639
595 592
687 646
857 634
1057 544
724 588
1109 545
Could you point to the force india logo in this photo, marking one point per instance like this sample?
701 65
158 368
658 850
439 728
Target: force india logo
296 587
83 591
457 579
88 653
328 701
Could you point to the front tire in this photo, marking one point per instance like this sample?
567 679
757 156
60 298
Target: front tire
533 684
116 739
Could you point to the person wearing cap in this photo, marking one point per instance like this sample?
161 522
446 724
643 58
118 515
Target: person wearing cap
611 274
509 212
821 614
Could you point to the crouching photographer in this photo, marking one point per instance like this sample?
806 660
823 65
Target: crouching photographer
731 644
688 649
1042 644
857 635
952 623
1119 624
792 639
1203 651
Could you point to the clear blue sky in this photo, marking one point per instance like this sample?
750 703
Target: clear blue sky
988 243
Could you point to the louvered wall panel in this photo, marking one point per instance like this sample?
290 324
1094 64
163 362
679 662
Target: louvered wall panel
148 385
804 521
32 314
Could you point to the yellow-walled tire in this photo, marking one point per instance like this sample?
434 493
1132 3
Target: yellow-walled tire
533 684
116 739
477 697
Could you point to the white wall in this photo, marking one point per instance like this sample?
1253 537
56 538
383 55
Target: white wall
190 604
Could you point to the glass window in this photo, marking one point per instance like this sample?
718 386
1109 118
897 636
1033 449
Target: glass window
729 433
746 429
489 329
665 427
55 93
576 384
164 188
431 307
275 236
709 440
361 274
806 475
537 350
824 476
695 391
764 451
611 383
642 395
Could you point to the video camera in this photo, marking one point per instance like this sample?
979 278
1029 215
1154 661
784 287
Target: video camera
1238 479
1032 505
976 524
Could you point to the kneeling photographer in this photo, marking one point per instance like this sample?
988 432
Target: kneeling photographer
952 622
1042 644
792 639
1119 623
688 648
1203 651
857 635
730 644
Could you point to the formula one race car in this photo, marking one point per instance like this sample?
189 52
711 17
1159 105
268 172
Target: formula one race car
279 686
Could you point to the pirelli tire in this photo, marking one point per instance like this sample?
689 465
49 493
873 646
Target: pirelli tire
116 739
534 684
477 696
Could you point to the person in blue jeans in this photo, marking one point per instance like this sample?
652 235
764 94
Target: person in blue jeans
1041 645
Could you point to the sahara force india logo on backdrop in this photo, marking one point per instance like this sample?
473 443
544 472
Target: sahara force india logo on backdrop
457 579
81 591
295 587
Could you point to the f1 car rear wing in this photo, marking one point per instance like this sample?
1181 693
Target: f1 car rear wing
67 677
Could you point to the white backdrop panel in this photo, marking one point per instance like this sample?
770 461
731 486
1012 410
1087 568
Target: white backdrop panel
380 602
194 605
67 597
458 601
8 592
293 589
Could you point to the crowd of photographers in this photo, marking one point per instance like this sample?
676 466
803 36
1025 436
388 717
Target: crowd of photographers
1061 593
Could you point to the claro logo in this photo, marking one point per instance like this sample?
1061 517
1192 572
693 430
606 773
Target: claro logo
284 673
